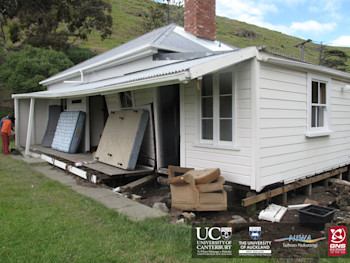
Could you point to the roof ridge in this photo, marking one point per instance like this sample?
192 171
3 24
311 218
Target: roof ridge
167 30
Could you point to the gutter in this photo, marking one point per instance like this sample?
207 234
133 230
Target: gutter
180 77
119 59
306 66
78 81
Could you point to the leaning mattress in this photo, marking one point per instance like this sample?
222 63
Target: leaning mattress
122 138
69 131
54 115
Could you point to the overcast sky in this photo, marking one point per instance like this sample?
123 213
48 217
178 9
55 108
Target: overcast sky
326 21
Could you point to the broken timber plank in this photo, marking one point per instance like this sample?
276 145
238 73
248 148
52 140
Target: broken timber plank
338 181
289 187
138 182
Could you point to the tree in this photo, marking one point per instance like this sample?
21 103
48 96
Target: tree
78 54
334 58
8 9
158 14
23 70
55 23
154 17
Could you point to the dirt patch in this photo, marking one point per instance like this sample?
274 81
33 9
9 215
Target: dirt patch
335 196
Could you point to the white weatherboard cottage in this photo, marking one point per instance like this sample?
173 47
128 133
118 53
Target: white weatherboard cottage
259 117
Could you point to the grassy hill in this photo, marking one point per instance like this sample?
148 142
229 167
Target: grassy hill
129 23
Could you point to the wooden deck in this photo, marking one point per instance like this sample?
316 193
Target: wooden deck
100 168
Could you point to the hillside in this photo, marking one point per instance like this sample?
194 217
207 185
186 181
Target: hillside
128 24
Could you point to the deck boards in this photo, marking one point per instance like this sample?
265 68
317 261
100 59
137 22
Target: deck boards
99 167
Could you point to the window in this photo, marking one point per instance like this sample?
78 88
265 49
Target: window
318 103
207 101
318 106
216 109
126 100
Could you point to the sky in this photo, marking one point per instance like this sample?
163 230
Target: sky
326 21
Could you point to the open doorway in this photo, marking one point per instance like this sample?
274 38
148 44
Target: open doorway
98 117
169 123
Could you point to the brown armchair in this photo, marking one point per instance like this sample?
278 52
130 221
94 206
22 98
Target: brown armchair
197 190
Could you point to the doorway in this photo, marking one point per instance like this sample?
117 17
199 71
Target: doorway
169 124
98 117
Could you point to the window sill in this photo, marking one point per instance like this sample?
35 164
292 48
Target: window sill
220 147
312 134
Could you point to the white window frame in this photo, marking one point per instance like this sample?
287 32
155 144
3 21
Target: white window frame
325 130
216 142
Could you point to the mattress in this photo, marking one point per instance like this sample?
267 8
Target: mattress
69 131
122 138
54 115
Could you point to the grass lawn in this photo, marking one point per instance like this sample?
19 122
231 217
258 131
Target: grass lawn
44 221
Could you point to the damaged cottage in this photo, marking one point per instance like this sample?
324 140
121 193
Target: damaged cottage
176 96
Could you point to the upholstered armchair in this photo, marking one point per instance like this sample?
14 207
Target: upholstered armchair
197 190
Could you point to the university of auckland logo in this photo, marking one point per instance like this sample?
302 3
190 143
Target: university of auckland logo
255 232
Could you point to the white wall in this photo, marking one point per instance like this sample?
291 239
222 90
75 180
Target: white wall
235 164
41 115
116 71
285 152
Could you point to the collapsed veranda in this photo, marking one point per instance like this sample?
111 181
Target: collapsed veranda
260 117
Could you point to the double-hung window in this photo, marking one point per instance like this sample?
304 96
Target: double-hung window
319 89
216 109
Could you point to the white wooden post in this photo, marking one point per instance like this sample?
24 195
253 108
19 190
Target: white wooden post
182 126
17 123
30 126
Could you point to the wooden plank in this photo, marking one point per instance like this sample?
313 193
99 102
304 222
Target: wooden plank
138 182
275 192
106 169
339 181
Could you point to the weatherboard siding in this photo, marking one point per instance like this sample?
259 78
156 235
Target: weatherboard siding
286 154
235 164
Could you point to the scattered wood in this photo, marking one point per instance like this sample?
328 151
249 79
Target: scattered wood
162 180
290 187
189 216
138 182
297 207
136 197
312 202
339 181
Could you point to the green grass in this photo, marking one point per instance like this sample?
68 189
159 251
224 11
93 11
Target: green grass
44 221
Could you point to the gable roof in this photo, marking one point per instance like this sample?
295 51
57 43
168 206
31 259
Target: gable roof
171 38
175 72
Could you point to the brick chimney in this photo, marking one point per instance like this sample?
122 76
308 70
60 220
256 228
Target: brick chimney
199 18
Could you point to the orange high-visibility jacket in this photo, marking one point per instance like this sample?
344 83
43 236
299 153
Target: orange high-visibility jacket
6 126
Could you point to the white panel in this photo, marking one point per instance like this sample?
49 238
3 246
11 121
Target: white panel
117 144
24 105
40 120
286 153
235 164
112 102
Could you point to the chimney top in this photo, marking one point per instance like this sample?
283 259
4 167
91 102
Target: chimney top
200 18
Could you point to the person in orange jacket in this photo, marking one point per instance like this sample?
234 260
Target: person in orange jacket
6 127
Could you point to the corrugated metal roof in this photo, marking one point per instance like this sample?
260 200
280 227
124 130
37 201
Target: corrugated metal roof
171 37
102 86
